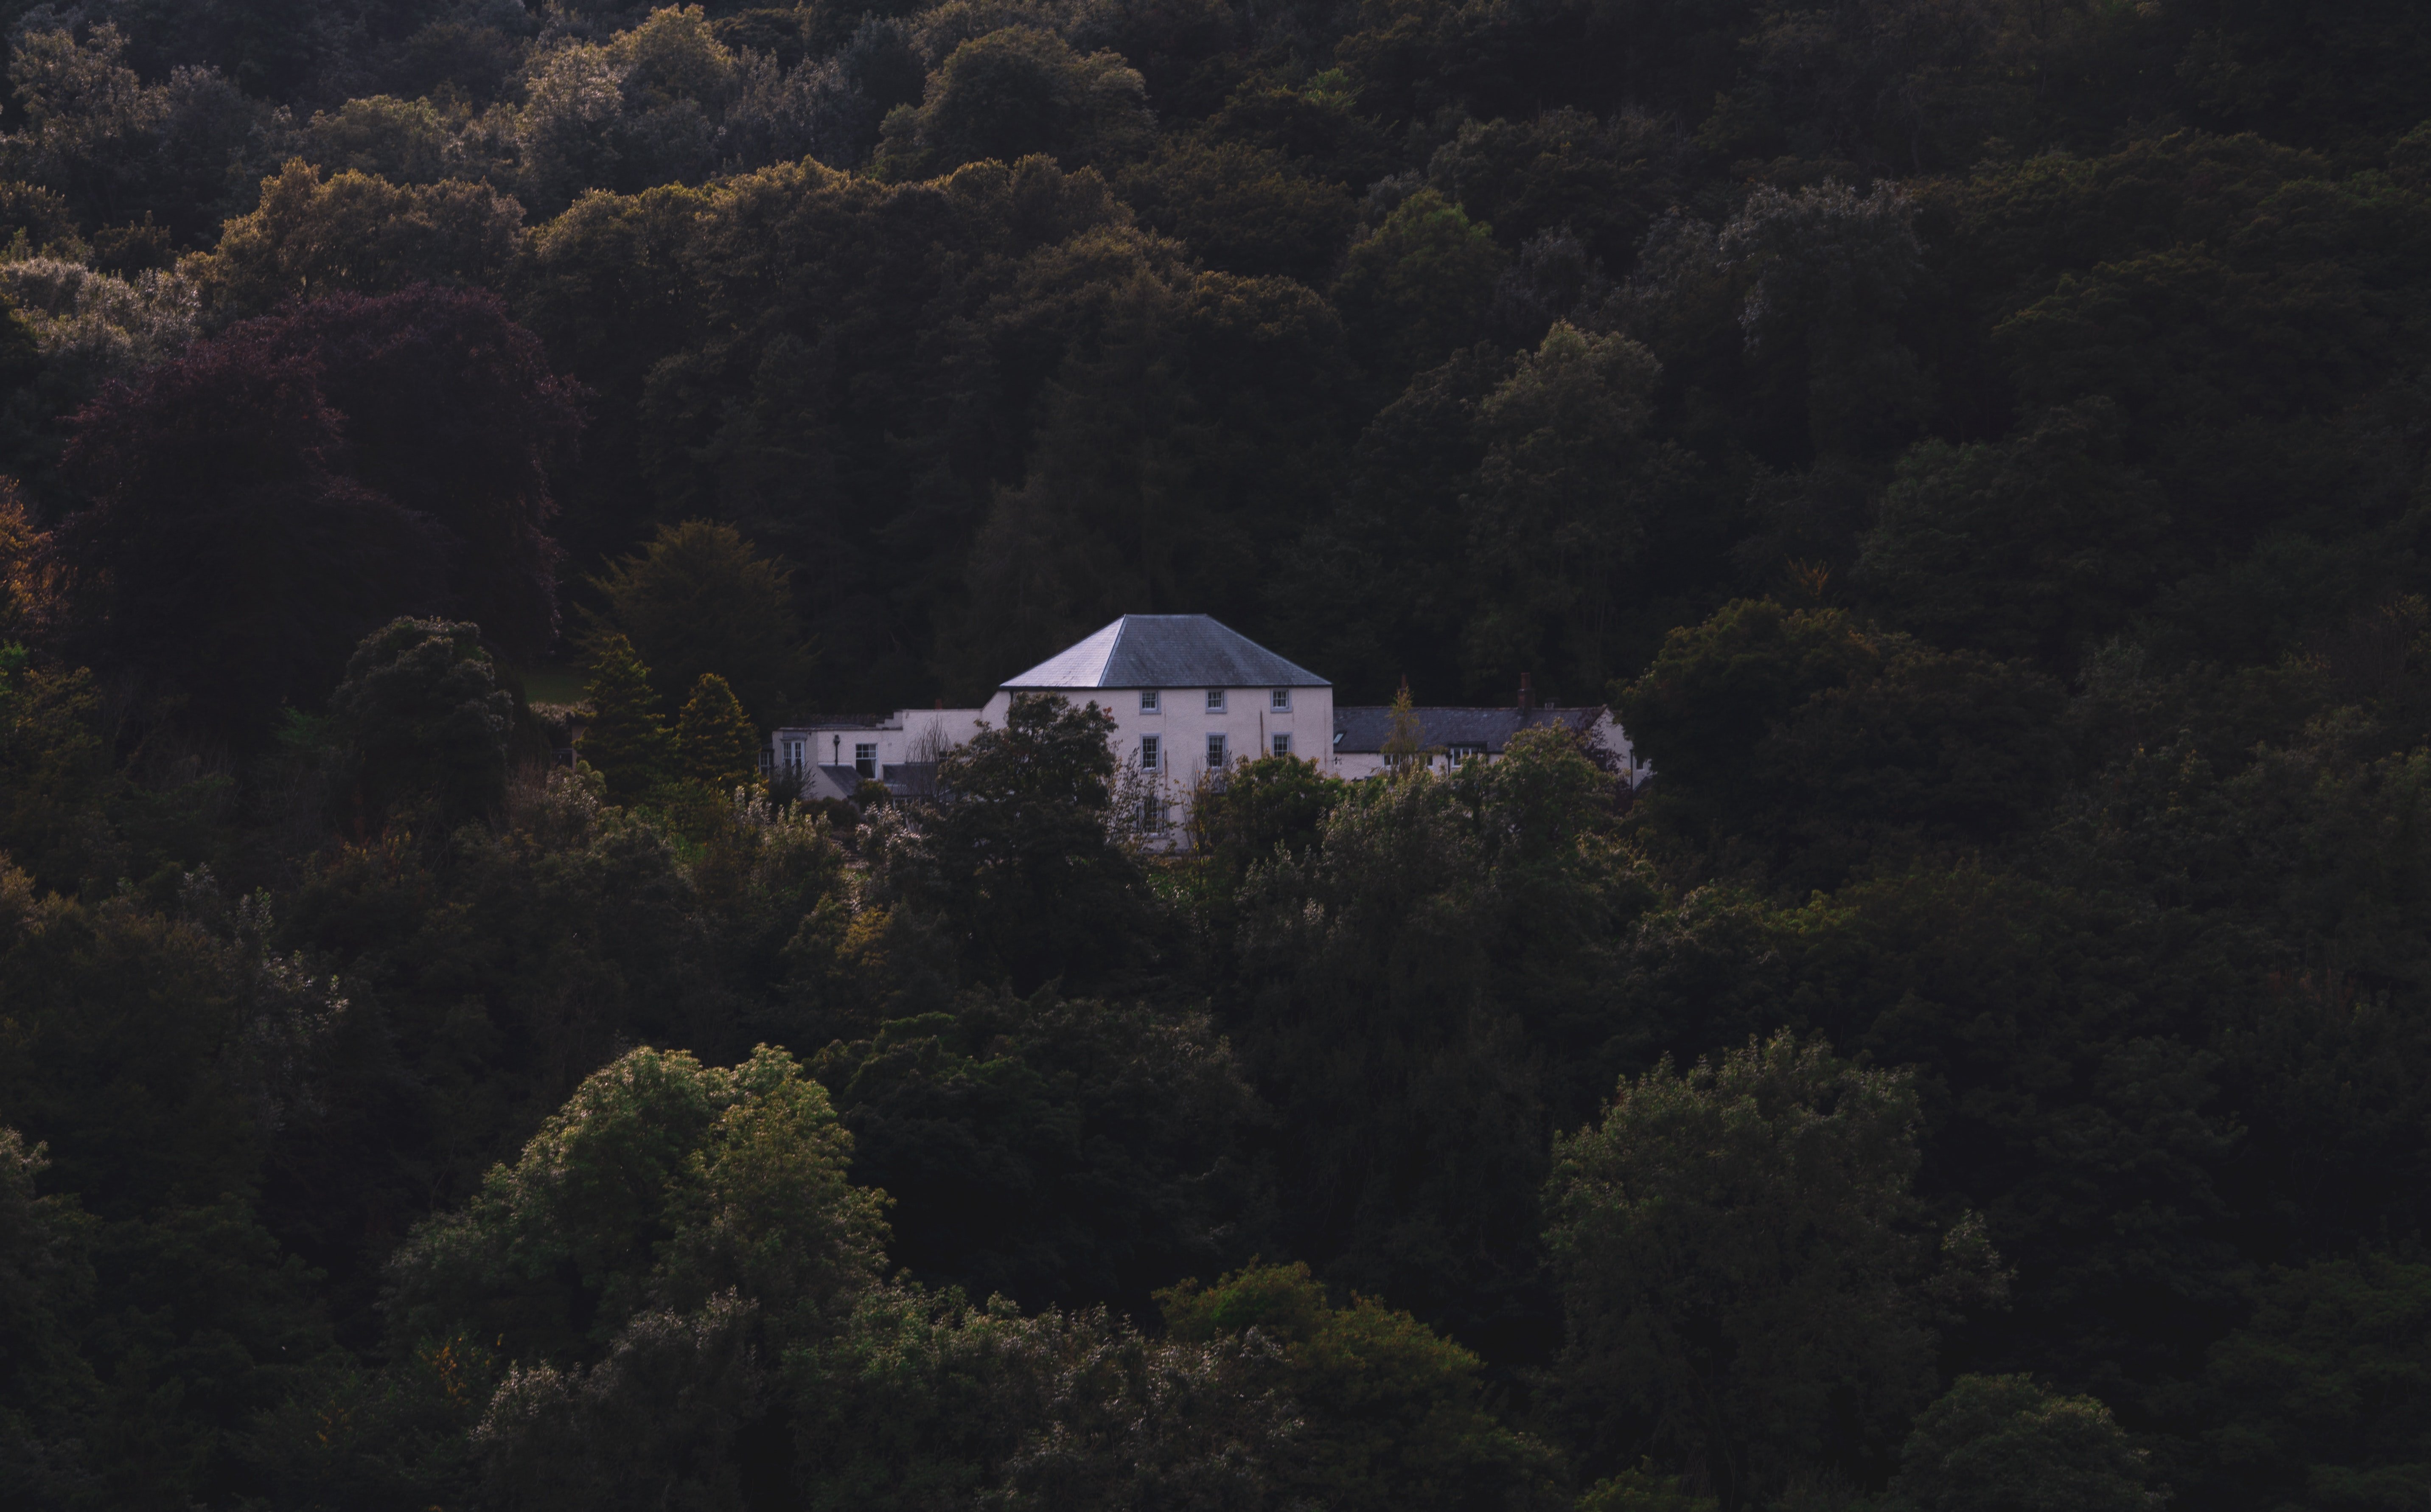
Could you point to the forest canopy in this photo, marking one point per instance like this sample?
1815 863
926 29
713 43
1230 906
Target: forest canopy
1977 450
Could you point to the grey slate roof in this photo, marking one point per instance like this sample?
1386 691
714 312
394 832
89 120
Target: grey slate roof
1166 651
919 779
1364 728
912 779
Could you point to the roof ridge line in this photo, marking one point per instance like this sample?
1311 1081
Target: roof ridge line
1114 649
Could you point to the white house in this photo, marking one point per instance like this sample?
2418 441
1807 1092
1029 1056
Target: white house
1188 695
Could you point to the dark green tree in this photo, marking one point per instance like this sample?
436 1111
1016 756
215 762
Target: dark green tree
926 1400
427 721
358 232
1020 856
1416 286
199 1317
700 600
715 742
1058 1151
1379 585
1244 208
46 1386
1275 802
1702 710
1750 1282
2007 1445
2322 1389
2001 1443
1827 272
1395 1412
183 149
403 141
1806 739
1012 92
667 1230
1424 996
1137 492
57 767
1562 169
2039 547
1560 508
624 735
606 1184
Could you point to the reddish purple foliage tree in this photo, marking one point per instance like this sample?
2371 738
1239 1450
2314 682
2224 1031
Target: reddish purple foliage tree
288 486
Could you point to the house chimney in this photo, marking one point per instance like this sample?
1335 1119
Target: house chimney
1527 694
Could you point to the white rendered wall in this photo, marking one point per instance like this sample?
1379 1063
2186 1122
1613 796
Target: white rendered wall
1182 722
1248 723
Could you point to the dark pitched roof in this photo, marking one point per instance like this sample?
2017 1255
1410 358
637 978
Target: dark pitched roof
911 779
916 778
1166 651
1366 727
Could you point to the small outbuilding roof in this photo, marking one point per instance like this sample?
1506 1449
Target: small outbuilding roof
1166 651
846 779
1363 727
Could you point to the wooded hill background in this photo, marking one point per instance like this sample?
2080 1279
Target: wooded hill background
1977 445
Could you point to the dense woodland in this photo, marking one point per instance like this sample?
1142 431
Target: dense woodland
1978 446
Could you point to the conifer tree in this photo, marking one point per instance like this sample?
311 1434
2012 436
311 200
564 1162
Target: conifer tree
714 738
626 740
1407 740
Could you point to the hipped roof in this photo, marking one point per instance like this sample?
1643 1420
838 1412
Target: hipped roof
1166 651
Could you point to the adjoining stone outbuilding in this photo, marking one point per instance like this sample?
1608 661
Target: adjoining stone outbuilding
1448 736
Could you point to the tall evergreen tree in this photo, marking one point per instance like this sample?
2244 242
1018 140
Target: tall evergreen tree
716 741
626 740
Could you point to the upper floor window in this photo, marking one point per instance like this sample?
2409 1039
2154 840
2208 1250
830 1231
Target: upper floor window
1214 752
1462 753
864 759
1149 748
1280 699
1282 745
1148 700
1214 700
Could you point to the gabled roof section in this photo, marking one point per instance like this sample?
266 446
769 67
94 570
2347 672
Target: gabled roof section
1166 651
